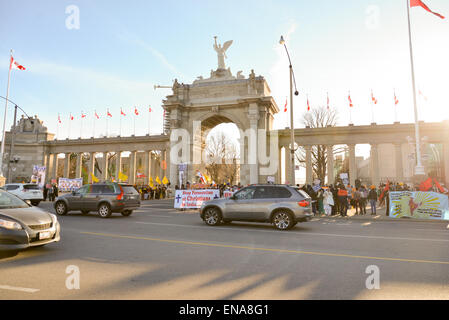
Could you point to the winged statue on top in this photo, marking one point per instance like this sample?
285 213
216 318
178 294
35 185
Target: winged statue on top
221 52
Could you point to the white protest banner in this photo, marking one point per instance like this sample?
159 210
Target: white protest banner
67 185
419 205
193 199
38 176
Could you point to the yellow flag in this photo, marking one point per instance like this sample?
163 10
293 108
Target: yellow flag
165 180
151 182
158 180
94 178
122 176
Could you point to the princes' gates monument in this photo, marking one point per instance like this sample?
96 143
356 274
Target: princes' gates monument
191 111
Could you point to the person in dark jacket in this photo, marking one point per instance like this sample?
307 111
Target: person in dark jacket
372 197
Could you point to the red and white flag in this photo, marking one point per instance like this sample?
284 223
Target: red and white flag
396 101
14 65
109 114
328 101
422 95
71 117
308 105
285 106
83 115
135 111
419 3
96 115
350 101
149 109
122 113
59 118
373 99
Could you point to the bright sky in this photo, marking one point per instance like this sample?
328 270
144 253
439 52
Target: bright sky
122 49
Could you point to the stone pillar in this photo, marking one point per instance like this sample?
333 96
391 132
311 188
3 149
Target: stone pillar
91 167
330 164
105 167
47 166
352 165
398 161
309 168
50 164
146 166
79 165
118 164
67 165
287 165
253 115
374 165
446 162
54 174
132 167
279 175
168 169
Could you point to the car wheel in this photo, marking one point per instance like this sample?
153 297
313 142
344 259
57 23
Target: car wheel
84 212
212 216
61 208
127 213
35 203
283 220
104 210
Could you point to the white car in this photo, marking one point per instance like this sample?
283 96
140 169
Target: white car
26 191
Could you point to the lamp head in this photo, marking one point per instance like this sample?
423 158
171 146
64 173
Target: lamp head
282 41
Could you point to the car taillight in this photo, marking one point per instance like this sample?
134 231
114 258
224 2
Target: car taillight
120 196
303 203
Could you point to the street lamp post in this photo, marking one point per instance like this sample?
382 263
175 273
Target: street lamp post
292 129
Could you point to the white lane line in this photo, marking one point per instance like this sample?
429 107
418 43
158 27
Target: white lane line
28 290
155 215
298 233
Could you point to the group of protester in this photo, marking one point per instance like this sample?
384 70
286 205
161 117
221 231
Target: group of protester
153 193
50 191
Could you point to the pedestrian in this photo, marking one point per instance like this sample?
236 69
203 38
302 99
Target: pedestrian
343 200
320 199
372 197
328 201
363 199
45 192
50 193
356 200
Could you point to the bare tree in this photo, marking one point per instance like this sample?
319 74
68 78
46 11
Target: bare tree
321 117
222 159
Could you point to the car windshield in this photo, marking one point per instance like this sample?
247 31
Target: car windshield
9 201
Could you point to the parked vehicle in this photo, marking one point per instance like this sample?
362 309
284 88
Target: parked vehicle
23 226
26 191
283 206
105 198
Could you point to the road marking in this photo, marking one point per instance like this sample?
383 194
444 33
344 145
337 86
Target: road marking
155 215
299 233
220 245
28 290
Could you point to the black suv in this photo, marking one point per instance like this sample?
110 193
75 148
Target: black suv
105 198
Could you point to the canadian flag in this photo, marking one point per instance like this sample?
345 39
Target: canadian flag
373 98
149 109
71 117
308 105
135 111
285 107
96 115
83 115
419 3
396 101
109 114
350 101
328 101
59 118
122 113
14 65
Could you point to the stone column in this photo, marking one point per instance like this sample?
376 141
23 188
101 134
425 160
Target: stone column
91 166
309 167
287 165
279 175
168 169
67 165
398 161
253 115
50 164
79 165
54 174
104 175
352 165
330 164
118 165
132 167
446 162
374 165
146 166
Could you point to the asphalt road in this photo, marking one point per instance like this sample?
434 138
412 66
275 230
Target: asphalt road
161 253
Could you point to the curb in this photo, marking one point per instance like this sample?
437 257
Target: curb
382 218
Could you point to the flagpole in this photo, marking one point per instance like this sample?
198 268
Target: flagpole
107 122
419 169
395 107
70 123
93 127
134 123
372 106
81 126
2 151
57 128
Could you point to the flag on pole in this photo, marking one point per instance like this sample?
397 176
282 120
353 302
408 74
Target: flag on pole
422 95
396 101
308 105
149 109
94 178
59 118
350 101
83 115
71 117
122 113
419 3
109 114
158 180
15 65
165 180
373 98
328 101
122 176
285 106
136 112
151 182
96 115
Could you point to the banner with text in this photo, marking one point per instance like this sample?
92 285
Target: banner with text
193 199
68 185
420 205
38 176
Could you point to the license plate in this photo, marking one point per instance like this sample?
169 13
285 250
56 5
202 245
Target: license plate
44 235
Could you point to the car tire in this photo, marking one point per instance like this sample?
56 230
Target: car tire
126 213
84 212
35 202
61 208
104 210
283 220
212 216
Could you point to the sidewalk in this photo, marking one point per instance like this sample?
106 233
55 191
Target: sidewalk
381 216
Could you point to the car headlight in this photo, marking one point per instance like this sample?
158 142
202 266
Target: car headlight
11 225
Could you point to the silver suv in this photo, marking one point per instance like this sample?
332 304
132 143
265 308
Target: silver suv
283 206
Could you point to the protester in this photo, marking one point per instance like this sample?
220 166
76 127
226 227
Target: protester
363 199
343 200
372 197
328 201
